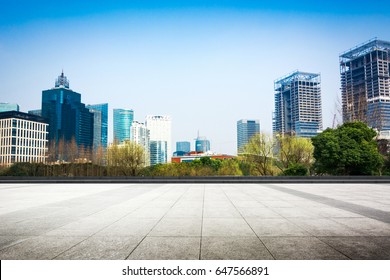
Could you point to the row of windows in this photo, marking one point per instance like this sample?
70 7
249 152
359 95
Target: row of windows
22 142
6 132
24 124
12 150
9 159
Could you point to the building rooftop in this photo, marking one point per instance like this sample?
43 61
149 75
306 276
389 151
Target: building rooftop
62 81
21 115
297 76
362 49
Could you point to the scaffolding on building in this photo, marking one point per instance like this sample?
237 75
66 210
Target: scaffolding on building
298 104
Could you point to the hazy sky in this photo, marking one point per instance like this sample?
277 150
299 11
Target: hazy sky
207 64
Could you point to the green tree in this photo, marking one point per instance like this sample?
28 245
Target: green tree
294 151
349 149
259 154
126 159
296 169
230 167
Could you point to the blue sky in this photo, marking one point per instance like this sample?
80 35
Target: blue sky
205 63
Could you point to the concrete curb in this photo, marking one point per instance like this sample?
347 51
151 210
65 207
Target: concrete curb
203 180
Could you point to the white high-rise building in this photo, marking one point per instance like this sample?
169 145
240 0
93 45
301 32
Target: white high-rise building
141 135
23 138
160 138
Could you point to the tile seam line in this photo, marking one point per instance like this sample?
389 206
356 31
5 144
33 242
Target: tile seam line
247 222
89 236
62 201
343 205
201 224
146 235
43 233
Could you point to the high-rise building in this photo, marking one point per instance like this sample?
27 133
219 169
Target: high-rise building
123 119
23 138
141 135
37 112
202 145
246 129
298 105
365 84
183 146
69 120
100 124
5 107
160 138
97 129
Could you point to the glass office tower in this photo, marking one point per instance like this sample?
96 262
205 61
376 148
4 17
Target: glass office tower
100 124
6 107
123 119
67 117
160 138
183 146
246 129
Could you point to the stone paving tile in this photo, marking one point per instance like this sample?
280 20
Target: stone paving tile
184 212
258 212
215 212
184 203
361 247
300 248
9 240
289 223
330 212
275 227
366 226
82 227
144 212
39 248
324 227
247 203
226 227
234 248
218 203
129 226
101 247
277 204
177 227
160 204
295 212
167 248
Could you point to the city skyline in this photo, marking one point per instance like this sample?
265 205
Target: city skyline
191 62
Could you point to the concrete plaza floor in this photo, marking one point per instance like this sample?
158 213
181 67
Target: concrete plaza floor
194 221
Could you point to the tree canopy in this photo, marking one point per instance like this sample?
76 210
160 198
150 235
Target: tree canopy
350 149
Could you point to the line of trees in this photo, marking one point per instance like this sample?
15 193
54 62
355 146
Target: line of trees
349 149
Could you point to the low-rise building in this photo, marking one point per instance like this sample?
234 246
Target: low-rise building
191 156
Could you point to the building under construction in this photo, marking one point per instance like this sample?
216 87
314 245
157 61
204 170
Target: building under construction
365 84
298 105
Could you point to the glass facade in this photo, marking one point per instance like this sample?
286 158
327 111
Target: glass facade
160 133
246 129
183 146
5 107
141 135
67 117
37 112
158 152
100 135
123 119
202 145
